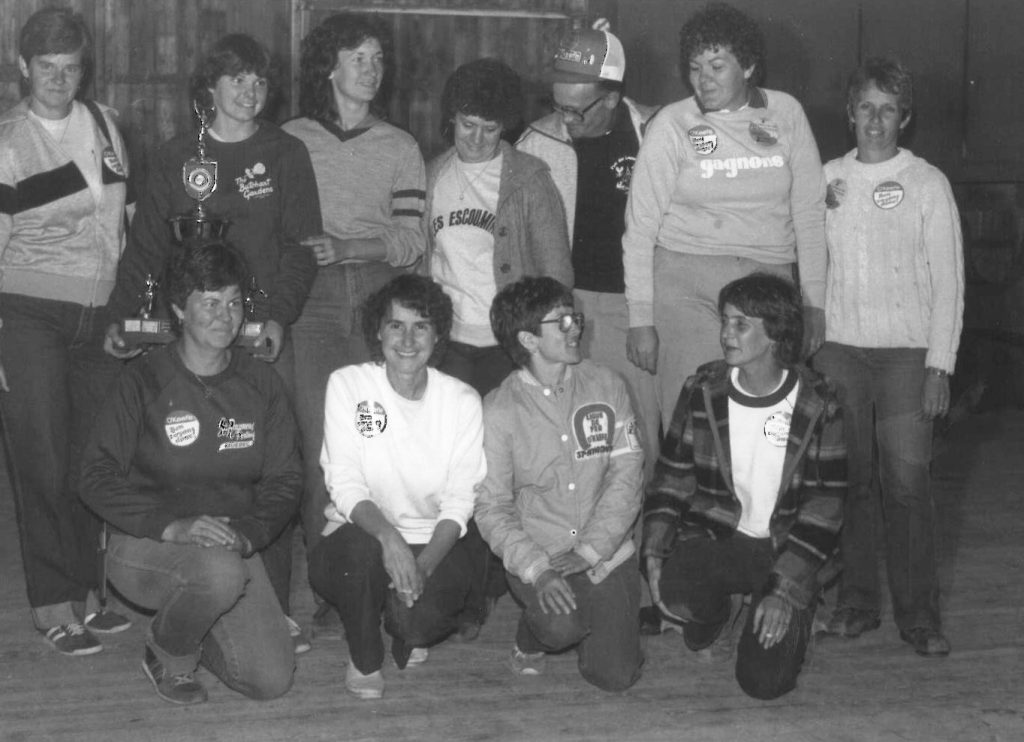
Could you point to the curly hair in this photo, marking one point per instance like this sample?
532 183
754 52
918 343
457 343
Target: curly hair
415 292
232 55
209 266
487 88
721 26
519 307
776 302
889 76
57 31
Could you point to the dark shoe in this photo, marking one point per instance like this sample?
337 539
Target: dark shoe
182 689
926 642
650 621
73 640
698 636
851 622
401 652
107 622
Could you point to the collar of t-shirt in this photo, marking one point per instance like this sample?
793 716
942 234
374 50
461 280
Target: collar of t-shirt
741 396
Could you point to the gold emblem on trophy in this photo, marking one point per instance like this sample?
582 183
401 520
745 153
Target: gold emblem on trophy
199 176
144 327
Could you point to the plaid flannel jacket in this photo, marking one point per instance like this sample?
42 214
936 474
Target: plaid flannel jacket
692 492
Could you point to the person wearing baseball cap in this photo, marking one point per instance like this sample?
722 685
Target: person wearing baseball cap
590 142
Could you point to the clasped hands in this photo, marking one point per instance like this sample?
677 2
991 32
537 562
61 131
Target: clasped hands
554 593
206 531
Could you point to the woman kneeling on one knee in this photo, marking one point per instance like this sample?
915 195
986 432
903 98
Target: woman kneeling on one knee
747 496
195 463
402 452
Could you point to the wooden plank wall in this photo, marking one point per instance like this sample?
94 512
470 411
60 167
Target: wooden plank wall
145 51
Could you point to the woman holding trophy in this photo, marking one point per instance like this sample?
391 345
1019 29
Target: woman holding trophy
249 183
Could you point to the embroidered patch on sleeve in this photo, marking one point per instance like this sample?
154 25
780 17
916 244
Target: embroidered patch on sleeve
633 435
594 428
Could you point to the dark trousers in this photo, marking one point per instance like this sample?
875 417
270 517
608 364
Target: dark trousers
880 392
347 569
483 369
698 579
58 375
604 628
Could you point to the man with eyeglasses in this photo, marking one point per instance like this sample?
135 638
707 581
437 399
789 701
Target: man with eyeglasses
590 143
563 489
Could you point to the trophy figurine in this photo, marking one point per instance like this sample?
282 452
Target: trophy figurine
251 327
144 328
199 176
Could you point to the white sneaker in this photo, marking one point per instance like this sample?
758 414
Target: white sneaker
527 663
418 656
300 642
367 687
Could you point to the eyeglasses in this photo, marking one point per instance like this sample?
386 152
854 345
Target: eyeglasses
566 321
571 114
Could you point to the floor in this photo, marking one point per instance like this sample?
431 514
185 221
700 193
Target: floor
872 688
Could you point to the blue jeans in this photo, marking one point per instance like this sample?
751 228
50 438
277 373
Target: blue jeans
58 376
880 392
698 579
347 568
604 628
212 606
327 336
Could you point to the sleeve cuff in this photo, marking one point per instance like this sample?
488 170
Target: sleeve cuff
641 314
589 553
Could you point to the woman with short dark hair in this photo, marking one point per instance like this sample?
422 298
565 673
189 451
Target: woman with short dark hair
747 496
402 453
494 216
370 178
195 464
894 307
266 192
63 171
727 182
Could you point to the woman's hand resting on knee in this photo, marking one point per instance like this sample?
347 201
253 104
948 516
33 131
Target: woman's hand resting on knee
204 530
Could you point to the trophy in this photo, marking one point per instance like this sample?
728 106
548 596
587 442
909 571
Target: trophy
144 328
251 327
199 176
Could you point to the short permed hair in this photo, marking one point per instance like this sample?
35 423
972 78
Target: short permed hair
209 266
721 26
519 307
776 302
320 56
487 88
415 292
889 76
57 31
232 55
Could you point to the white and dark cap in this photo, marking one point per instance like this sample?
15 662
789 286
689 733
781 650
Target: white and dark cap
589 55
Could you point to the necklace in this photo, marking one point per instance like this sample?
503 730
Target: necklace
464 183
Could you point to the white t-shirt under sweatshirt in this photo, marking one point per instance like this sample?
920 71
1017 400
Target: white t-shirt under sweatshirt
758 434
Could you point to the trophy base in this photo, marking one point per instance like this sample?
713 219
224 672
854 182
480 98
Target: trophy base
188 228
249 332
146 331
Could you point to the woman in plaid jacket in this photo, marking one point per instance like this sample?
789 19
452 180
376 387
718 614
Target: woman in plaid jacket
747 496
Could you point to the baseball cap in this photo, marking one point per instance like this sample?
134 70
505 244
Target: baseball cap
589 55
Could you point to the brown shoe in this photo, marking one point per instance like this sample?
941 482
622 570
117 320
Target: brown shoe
851 622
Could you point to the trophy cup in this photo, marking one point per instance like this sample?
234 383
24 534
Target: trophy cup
251 327
199 176
144 328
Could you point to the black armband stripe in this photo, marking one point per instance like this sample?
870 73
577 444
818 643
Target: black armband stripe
53 185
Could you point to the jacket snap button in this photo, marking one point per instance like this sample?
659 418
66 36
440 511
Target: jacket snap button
505 267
